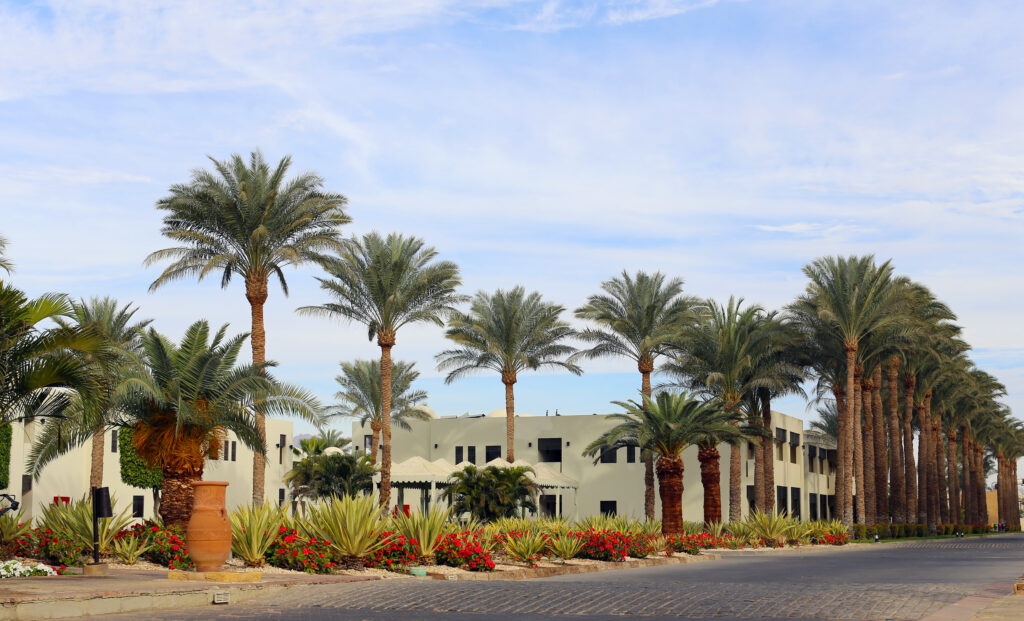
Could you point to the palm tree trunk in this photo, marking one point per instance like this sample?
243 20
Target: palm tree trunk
845 499
670 486
375 427
940 472
96 467
868 442
768 455
1000 488
922 466
386 340
735 485
759 463
881 459
711 479
965 467
176 495
510 420
256 294
979 474
897 468
646 367
909 384
954 479
858 450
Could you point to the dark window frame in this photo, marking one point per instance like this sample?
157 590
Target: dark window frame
630 454
471 454
610 456
608 507
113 441
459 454
548 451
138 506
492 452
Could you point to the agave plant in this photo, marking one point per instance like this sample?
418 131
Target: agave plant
552 526
253 530
12 528
596 522
529 547
774 528
354 527
715 529
659 543
741 531
130 549
651 528
425 528
507 525
298 523
74 521
566 546
693 528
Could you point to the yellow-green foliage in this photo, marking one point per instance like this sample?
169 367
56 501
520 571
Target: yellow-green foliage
425 528
774 528
527 547
352 525
553 527
74 521
741 531
566 547
129 549
715 529
253 530
693 528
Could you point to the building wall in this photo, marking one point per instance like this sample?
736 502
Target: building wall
620 482
68 475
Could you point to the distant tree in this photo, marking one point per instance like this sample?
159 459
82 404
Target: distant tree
491 493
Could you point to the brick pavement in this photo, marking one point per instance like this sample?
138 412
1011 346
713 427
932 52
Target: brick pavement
885 582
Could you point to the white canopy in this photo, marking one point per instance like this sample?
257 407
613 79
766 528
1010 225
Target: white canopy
418 470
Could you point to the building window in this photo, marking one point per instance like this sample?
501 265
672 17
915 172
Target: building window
750 450
812 506
781 496
227 450
630 454
368 444
280 448
280 497
138 506
794 504
458 455
778 451
471 454
550 449
113 441
609 456
609 507
810 465
492 452
234 450
825 508
26 484
792 454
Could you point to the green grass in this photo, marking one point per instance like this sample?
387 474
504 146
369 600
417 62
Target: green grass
890 540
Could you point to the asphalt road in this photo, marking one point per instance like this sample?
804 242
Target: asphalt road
881 581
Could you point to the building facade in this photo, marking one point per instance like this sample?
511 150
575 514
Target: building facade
67 477
615 483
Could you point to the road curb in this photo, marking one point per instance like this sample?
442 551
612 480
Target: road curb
563 570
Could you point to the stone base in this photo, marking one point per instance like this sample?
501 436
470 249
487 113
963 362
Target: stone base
215 576
98 569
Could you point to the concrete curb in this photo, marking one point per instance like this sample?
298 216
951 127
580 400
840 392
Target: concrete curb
563 570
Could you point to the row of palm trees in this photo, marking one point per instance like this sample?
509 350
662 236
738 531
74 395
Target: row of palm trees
865 337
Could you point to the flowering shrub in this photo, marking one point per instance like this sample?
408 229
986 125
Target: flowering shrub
47 545
604 545
397 553
168 545
834 540
678 542
292 551
463 550
15 569
639 546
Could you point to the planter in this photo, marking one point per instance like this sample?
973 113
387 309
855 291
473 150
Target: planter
209 533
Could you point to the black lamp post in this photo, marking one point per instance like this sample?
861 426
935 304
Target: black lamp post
100 509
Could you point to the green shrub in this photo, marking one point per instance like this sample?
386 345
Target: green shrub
860 531
883 531
353 526
693 528
134 470
5 456
774 528
566 547
527 547
74 521
715 529
253 531
899 531
423 528
129 546
12 530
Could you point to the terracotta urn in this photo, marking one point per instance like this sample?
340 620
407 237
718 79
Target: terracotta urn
209 532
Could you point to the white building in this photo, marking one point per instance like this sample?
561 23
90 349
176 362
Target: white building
615 483
68 475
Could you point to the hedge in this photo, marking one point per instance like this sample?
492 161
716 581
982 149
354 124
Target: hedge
134 470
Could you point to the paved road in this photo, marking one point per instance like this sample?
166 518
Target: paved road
884 581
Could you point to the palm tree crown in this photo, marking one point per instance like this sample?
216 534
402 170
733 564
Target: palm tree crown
507 332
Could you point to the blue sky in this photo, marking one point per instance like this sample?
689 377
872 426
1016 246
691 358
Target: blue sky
548 144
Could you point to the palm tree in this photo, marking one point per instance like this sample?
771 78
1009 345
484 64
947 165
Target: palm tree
247 220
180 401
827 423
491 493
666 426
637 318
316 445
360 396
723 356
37 363
507 332
853 297
5 263
325 476
384 284
114 324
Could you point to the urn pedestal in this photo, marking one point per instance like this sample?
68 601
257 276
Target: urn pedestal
208 534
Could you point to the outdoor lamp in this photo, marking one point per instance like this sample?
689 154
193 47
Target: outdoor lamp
876 537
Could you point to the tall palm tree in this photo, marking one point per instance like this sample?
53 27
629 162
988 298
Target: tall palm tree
38 364
508 332
853 297
384 284
5 263
360 396
722 357
666 426
247 220
121 335
180 401
637 318
827 423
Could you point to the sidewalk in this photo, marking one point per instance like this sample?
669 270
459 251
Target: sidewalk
132 591
1007 608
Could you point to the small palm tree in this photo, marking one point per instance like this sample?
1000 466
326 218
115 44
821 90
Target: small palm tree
827 423
360 396
122 336
384 284
637 318
319 476
5 263
316 445
507 332
247 220
180 401
492 493
667 425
